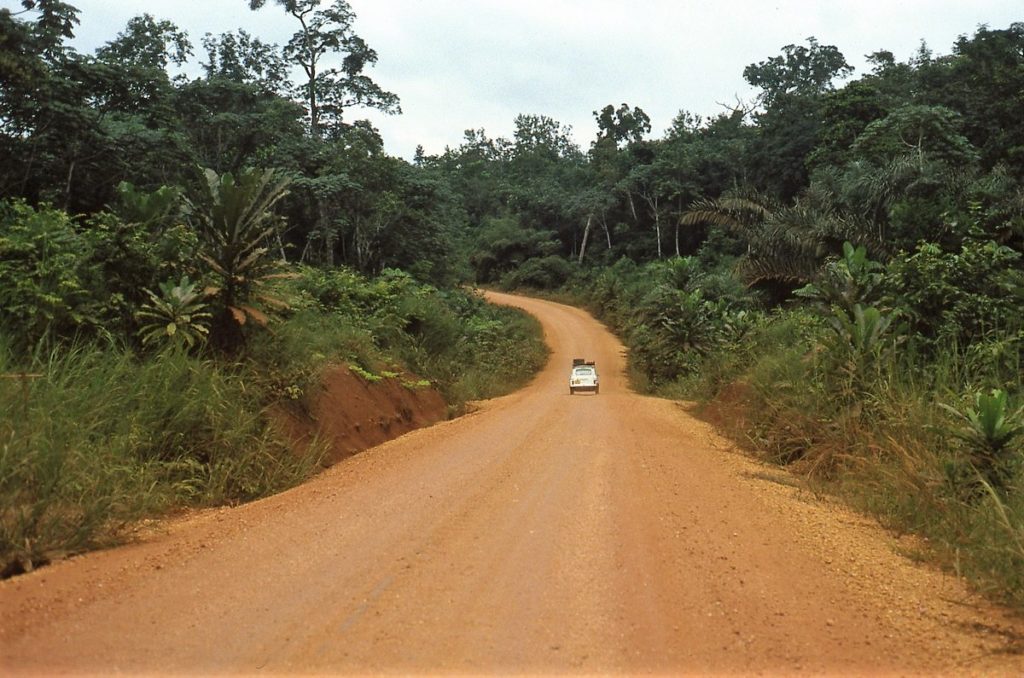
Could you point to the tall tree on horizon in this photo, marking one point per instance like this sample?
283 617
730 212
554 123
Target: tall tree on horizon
330 90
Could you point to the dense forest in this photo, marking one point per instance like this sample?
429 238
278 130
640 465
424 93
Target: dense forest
835 265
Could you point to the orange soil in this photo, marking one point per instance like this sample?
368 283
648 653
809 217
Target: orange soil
543 534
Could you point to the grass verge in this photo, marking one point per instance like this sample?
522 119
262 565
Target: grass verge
96 440
886 445
95 437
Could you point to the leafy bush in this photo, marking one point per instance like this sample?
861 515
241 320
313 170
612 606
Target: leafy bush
502 246
128 258
60 280
46 278
466 347
860 343
539 273
665 316
851 280
236 228
957 298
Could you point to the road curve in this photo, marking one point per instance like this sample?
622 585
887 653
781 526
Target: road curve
544 533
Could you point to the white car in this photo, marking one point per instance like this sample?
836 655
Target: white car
583 377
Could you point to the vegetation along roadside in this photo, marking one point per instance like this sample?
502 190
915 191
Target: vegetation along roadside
117 409
834 268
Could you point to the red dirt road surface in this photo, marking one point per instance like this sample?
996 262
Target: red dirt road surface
544 533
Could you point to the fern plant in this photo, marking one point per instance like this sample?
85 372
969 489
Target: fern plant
178 315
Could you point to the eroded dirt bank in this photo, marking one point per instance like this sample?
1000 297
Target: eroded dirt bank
351 414
545 533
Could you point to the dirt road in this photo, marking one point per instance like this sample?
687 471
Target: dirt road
545 533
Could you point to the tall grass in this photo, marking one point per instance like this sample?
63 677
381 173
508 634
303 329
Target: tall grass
95 437
885 444
499 351
470 349
99 439
467 348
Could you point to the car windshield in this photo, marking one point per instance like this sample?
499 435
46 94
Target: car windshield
583 371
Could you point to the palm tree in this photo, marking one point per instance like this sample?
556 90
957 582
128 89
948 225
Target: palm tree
236 227
785 244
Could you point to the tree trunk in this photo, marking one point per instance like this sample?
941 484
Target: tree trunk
586 234
67 185
280 246
310 68
657 230
652 202
314 115
325 233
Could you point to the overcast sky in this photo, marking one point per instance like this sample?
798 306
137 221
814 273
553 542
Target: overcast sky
461 64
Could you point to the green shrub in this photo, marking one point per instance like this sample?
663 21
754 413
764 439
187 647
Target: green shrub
45 277
469 349
957 297
539 273
236 228
666 317
60 280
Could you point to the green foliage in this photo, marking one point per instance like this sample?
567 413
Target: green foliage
844 115
539 273
366 375
242 58
502 247
177 316
990 429
129 257
862 340
622 124
982 80
801 71
957 297
499 351
237 224
665 316
918 131
465 347
45 281
845 283
147 207
59 279
330 90
101 440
